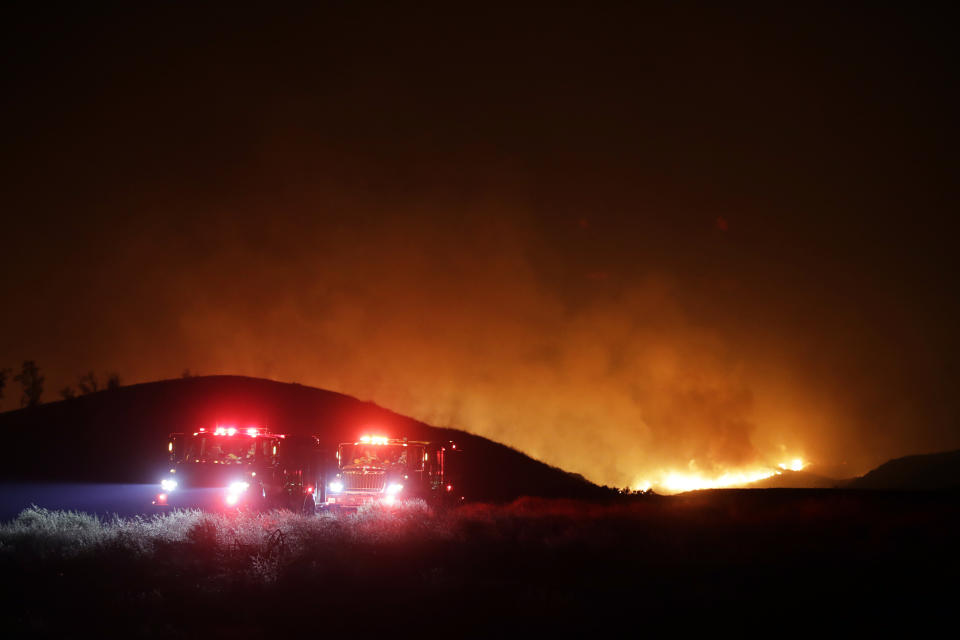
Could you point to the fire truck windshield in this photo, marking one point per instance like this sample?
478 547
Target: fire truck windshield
222 450
368 455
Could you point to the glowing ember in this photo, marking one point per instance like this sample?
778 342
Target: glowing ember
678 481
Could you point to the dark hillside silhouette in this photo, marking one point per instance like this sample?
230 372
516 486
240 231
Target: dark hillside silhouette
120 435
920 472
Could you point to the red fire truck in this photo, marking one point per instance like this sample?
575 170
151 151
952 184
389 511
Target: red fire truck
381 469
231 467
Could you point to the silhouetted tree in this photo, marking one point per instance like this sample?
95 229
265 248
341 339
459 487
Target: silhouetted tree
113 381
88 383
67 393
186 374
3 380
32 382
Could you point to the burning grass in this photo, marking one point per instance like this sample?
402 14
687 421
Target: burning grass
539 562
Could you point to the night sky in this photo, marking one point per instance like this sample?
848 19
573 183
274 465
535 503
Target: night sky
619 239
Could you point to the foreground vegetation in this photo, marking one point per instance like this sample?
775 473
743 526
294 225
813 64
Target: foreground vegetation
533 562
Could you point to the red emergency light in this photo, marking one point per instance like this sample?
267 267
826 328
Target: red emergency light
253 432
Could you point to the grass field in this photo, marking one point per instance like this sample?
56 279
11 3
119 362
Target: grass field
725 557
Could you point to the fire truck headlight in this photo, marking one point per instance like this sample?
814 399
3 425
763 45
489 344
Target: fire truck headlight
168 484
238 487
336 486
394 489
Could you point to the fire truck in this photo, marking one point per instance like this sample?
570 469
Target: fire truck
377 469
229 467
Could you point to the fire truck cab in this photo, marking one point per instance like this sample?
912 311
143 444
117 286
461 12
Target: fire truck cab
379 469
230 467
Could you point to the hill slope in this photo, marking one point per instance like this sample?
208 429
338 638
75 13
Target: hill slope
928 471
797 480
120 435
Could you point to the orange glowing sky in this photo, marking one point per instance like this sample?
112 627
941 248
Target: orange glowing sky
622 252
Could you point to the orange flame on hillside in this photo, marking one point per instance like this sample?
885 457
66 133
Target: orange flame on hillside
679 481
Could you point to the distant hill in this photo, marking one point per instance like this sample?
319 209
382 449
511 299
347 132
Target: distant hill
120 435
919 472
929 471
797 480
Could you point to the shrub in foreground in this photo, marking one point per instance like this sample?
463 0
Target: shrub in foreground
245 573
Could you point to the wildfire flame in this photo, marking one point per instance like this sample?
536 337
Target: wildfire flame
679 481
794 465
